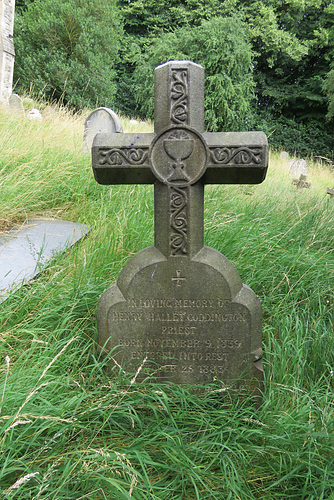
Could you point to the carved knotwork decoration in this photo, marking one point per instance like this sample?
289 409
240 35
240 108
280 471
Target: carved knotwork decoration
122 156
178 220
179 97
236 156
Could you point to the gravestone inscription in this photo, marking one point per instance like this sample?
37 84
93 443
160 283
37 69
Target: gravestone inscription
179 308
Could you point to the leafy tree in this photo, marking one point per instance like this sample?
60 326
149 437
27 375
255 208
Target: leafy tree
290 38
145 19
328 86
329 89
292 44
67 50
221 46
148 25
21 5
285 57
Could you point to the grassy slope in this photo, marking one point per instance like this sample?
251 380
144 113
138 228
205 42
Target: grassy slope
69 431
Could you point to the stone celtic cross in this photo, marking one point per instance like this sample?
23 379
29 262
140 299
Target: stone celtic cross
179 305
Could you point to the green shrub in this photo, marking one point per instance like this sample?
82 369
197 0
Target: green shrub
301 139
221 46
67 50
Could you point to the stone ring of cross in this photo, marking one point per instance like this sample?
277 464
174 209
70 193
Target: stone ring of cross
178 156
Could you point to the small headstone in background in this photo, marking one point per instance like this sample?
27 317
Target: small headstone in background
301 182
330 191
34 114
134 122
101 120
16 104
298 167
26 250
284 156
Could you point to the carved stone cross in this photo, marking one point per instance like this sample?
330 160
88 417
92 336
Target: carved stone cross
330 191
178 304
301 182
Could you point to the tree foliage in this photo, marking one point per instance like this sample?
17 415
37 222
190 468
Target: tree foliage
292 47
67 50
265 60
221 46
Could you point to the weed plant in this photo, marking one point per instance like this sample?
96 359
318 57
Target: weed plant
72 430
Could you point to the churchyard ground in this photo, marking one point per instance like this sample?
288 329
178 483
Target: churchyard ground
69 429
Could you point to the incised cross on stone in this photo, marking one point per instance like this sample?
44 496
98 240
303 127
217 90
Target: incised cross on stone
179 158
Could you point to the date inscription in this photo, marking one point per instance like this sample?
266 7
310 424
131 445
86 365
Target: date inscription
194 339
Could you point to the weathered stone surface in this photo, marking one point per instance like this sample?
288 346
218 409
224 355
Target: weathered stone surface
192 320
7 52
301 182
179 309
34 114
101 120
298 167
26 250
330 191
16 104
284 155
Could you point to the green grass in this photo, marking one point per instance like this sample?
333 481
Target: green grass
71 430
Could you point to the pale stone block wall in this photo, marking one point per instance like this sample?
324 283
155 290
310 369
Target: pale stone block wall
7 52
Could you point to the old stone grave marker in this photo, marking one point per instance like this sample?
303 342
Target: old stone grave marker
330 191
16 104
101 120
298 167
284 155
179 308
34 114
301 182
25 250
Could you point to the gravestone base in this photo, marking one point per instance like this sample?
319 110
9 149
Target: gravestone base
187 321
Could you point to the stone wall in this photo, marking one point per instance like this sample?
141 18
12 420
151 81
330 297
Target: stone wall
7 52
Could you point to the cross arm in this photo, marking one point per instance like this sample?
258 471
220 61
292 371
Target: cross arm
122 158
236 157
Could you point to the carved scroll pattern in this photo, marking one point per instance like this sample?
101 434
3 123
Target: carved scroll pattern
124 156
178 220
236 156
179 97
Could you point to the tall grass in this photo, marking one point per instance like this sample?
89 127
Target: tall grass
72 430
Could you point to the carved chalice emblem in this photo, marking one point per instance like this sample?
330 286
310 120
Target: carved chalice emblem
179 147
178 156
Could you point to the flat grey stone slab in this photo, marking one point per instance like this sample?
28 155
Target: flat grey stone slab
26 250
